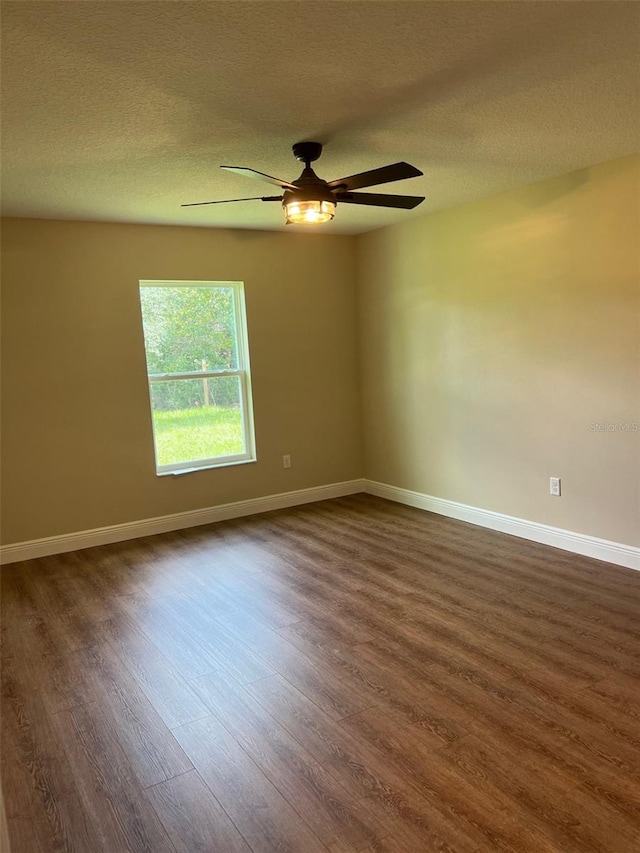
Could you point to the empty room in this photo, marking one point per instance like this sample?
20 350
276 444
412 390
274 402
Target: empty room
320 520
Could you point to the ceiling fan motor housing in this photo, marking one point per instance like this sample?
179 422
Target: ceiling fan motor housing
312 200
309 186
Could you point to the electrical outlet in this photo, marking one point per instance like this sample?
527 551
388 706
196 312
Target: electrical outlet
286 461
554 486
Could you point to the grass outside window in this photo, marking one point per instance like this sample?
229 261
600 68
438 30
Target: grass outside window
198 433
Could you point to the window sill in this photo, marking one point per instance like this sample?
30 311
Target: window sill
207 467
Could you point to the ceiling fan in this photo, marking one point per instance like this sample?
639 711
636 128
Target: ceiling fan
311 200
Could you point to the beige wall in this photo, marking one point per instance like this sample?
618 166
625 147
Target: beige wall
493 335
77 440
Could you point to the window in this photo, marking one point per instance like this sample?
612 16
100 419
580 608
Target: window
195 338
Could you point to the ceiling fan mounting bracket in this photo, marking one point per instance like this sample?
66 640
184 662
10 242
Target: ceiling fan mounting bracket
307 152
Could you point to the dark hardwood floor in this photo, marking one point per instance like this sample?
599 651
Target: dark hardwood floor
351 675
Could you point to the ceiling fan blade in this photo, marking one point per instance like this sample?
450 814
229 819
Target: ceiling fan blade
228 200
406 202
260 176
384 175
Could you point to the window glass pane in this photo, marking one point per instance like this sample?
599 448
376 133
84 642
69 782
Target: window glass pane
197 419
188 329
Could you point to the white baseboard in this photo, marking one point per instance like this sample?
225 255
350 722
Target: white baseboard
578 543
177 521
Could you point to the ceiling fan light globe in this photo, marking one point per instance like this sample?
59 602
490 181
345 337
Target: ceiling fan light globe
309 212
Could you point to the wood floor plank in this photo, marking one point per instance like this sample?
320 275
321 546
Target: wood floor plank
352 761
305 593
326 806
495 570
381 521
23 837
496 705
327 690
618 697
112 799
572 715
167 690
192 612
29 738
382 688
348 676
240 591
193 818
473 803
28 817
263 816
570 817
130 719
184 651
54 676
504 648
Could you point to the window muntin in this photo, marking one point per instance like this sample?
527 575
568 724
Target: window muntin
198 370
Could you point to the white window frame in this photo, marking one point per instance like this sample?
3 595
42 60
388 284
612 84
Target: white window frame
243 372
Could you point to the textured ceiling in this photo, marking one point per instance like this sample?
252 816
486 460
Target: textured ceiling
122 110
